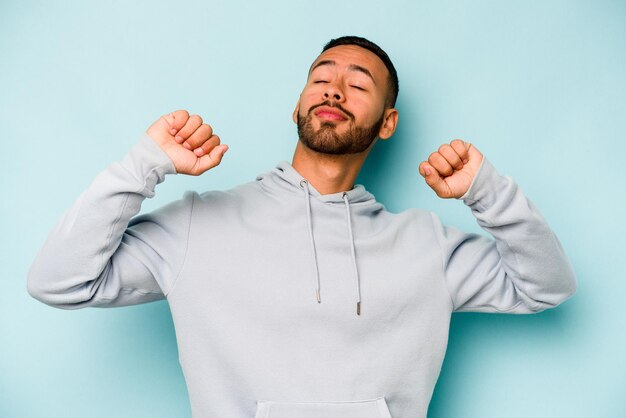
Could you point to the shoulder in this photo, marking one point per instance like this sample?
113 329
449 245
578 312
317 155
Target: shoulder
245 197
235 194
411 222
414 216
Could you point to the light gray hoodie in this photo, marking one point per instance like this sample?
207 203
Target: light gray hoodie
292 304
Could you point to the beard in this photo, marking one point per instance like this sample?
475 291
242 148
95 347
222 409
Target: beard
326 140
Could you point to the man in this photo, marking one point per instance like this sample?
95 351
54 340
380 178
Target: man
299 295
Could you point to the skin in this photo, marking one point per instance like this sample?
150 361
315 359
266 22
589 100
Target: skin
341 83
347 75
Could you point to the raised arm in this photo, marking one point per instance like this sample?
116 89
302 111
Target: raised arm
97 255
523 268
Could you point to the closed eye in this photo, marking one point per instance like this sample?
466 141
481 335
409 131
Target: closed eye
320 81
358 87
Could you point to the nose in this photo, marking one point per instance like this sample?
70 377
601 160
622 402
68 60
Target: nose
334 92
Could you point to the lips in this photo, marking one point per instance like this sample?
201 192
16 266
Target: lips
329 113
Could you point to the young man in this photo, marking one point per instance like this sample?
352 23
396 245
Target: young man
298 294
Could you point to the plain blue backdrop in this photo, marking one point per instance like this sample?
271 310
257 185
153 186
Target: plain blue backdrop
538 86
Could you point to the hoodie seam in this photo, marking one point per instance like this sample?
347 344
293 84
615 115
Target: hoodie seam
184 261
110 231
514 276
486 307
323 402
443 269
127 290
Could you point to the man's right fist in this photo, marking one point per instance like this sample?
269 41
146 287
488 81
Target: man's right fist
188 142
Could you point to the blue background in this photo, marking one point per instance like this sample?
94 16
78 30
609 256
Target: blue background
538 86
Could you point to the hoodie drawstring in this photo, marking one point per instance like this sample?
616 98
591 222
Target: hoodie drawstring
354 266
305 186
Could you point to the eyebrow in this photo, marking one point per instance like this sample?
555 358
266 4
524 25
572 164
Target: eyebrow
351 67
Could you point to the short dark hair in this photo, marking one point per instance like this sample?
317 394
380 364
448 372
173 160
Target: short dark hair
372 47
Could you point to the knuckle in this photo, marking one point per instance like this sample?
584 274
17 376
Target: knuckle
180 114
458 144
210 143
203 130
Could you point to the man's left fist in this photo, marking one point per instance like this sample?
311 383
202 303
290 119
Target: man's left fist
450 170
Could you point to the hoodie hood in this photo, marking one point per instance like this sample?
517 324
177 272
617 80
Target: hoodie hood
357 201
285 177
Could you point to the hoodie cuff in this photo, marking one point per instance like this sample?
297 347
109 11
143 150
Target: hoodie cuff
485 187
149 164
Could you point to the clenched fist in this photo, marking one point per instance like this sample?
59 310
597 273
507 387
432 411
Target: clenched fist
188 142
450 170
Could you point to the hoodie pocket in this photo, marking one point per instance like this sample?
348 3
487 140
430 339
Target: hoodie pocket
372 408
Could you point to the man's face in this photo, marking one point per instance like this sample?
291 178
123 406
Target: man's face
342 107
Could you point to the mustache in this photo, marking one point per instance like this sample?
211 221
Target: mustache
331 104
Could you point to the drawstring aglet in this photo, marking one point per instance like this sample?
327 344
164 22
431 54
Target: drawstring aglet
358 308
317 292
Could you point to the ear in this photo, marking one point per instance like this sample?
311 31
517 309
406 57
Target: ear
294 116
390 121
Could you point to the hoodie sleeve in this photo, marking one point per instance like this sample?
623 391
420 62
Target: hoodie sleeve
521 270
97 256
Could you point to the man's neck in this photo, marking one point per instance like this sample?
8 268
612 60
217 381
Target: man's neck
327 173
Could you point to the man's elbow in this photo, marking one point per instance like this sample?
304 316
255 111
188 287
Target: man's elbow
50 290
560 291
568 288
40 289
37 288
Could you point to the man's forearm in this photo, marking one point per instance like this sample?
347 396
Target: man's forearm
522 270
67 271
